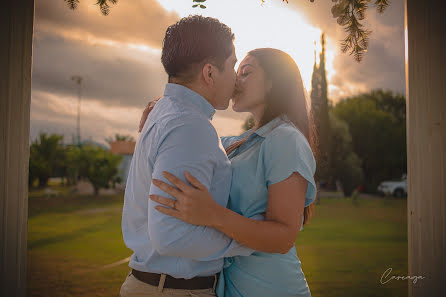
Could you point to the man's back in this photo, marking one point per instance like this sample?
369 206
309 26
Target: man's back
177 136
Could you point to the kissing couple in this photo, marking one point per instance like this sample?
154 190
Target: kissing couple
218 216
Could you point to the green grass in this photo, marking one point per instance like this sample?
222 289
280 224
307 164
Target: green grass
347 247
344 250
68 238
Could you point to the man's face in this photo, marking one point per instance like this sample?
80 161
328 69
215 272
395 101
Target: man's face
225 82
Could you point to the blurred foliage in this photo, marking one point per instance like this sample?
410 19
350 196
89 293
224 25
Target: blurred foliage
249 123
98 166
46 156
377 123
72 155
119 137
50 158
345 164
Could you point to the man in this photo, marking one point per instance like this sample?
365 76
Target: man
170 256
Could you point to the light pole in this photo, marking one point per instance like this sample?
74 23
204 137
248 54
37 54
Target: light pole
78 80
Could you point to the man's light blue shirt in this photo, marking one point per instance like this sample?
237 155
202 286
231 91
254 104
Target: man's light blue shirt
177 136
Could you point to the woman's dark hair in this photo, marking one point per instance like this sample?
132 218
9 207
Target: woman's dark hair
287 96
192 42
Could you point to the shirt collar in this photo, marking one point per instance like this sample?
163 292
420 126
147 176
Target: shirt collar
268 127
179 91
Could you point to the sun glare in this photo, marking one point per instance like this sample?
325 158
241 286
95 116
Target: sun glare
273 24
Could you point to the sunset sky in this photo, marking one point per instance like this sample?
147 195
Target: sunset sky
118 56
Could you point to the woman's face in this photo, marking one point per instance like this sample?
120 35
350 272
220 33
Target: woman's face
250 88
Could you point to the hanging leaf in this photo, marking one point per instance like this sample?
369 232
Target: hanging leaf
381 5
104 6
202 6
195 5
349 14
72 4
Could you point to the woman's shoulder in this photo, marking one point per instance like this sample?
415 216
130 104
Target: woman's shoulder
285 133
286 150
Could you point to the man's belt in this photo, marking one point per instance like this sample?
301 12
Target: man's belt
196 283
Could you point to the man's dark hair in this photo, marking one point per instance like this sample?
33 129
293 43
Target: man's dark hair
192 42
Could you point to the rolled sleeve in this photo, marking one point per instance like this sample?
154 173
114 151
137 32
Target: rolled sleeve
288 151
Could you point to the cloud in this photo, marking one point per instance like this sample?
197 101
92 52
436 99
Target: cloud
115 75
136 21
52 113
102 50
120 66
118 57
383 64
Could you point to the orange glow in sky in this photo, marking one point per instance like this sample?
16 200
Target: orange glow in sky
273 24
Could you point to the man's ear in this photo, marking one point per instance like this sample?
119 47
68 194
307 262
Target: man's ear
208 74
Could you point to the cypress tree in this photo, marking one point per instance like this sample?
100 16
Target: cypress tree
319 106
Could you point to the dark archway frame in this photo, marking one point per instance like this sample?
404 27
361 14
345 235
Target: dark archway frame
426 144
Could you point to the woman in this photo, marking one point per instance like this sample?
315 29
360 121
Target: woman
273 170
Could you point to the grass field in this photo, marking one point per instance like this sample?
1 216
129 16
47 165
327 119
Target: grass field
348 246
344 250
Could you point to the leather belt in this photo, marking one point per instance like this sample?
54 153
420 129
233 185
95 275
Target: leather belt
196 283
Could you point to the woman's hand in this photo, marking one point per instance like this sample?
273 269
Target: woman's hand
194 205
146 112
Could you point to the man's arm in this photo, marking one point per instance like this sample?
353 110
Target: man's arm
189 146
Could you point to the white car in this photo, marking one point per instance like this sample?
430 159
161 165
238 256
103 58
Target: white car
396 188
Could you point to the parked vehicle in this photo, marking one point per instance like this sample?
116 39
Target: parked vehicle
395 188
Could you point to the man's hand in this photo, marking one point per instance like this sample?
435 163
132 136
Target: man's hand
146 112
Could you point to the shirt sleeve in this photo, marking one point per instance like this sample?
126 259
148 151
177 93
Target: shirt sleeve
287 151
189 146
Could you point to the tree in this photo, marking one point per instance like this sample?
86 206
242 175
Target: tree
376 121
98 166
249 123
319 107
72 159
119 137
345 165
394 104
46 156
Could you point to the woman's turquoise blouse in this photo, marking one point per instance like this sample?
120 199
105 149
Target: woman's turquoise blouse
270 155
